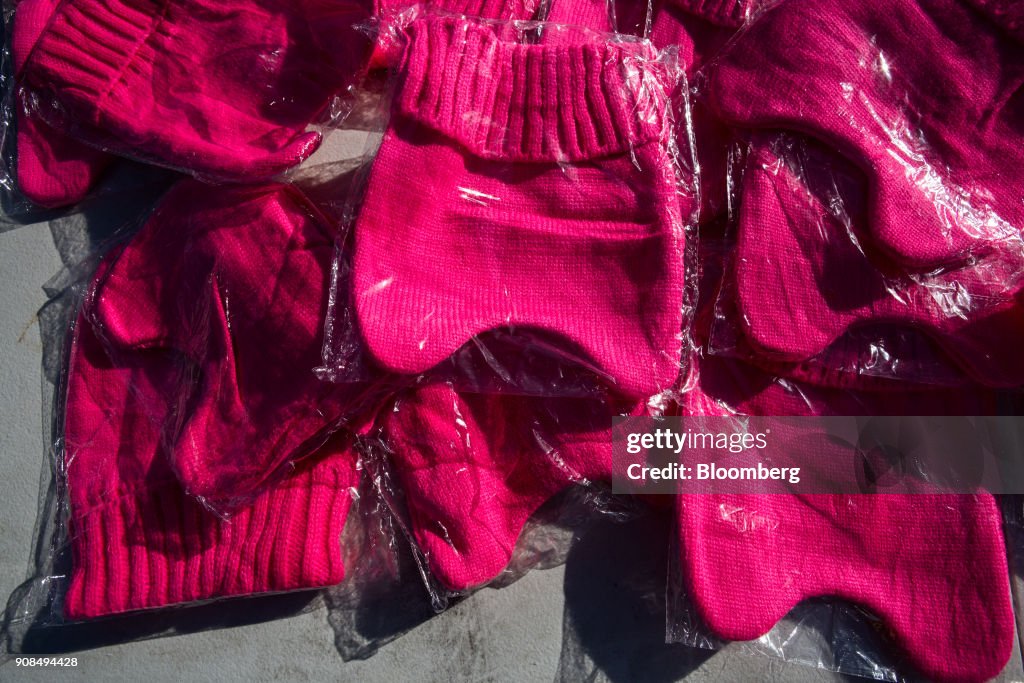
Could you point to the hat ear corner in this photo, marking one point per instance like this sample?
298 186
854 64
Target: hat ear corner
125 311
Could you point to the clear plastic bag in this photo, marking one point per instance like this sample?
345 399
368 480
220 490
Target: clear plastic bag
226 93
879 585
805 287
239 330
44 173
523 224
875 201
124 553
695 31
467 474
153 401
518 265
929 571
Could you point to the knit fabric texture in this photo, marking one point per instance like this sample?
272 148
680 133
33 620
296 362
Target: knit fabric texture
931 566
697 31
394 15
475 467
138 539
220 89
922 97
802 280
524 186
625 16
233 284
53 170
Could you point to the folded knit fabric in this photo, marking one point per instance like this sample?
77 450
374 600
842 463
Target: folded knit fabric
53 170
802 280
525 186
697 30
931 566
233 284
138 539
922 97
474 467
220 89
879 357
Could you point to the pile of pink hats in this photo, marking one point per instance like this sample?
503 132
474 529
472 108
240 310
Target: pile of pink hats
702 207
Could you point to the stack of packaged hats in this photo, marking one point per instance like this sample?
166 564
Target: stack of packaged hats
576 209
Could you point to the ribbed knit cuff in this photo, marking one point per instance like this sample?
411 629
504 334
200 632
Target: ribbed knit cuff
728 13
530 102
88 46
161 547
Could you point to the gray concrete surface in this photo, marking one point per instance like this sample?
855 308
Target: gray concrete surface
591 619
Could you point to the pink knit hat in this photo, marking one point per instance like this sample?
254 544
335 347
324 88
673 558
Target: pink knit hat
222 89
53 170
922 97
235 283
802 281
139 541
474 467
191 375
525 186
931 566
